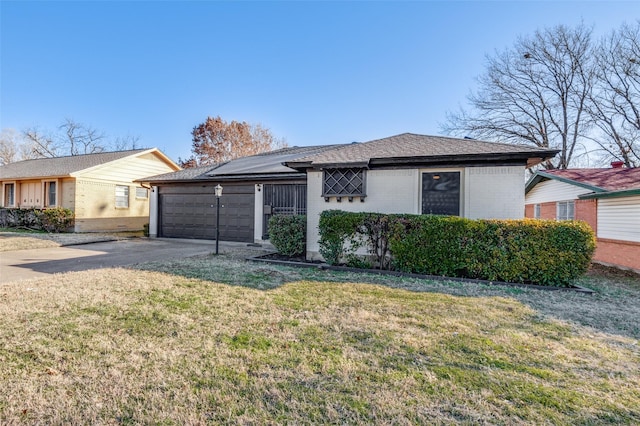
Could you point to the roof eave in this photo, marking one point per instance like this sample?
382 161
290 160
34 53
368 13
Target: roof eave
611 194
546 175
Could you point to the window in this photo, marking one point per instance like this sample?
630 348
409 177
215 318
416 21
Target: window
9 195
441 193
565 210
536 211
142 193
122 196
343 183
50 194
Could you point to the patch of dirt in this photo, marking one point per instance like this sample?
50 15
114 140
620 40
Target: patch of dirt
599 270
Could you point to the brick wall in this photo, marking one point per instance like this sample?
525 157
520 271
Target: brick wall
618 253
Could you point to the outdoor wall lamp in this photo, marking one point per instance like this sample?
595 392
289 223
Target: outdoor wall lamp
218 191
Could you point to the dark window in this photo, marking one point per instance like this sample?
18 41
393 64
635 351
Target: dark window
286 199
343 183
441 193
9 195
50 194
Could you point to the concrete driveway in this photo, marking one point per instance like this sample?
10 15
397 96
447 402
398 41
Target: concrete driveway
25 264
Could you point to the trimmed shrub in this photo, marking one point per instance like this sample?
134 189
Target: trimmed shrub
56 219
288 234
520 251
339 236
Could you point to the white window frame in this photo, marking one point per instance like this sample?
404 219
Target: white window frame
12 203
122 196
565 210
536 211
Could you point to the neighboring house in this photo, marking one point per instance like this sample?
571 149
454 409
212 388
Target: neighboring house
607 199
418 174
98 188
183 204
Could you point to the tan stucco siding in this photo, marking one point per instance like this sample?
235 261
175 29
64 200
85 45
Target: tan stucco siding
96 207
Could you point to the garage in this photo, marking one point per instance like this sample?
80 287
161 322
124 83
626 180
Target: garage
189 211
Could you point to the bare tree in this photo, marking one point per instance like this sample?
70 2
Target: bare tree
14 147
534 93
216 141
74 138
615 102
81 139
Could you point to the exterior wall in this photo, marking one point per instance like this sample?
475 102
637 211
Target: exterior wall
127 169
96 210
258 214
494 192
388 191
584 210
619 232
618 253
486 192
153 212
553 190
619 218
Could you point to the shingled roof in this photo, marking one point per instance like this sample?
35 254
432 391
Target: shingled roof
62 166
265 165
600 181
414 149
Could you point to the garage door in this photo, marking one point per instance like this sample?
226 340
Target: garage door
190 212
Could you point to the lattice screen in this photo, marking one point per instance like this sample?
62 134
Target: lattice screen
343 182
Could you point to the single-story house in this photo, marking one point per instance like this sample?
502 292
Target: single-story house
608 199
183 203
98 188
418 174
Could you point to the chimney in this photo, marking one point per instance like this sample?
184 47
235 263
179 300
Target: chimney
617 164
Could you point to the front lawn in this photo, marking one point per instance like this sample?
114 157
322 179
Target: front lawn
218 340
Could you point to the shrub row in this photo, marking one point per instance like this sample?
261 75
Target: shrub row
288 234
522 251
56 219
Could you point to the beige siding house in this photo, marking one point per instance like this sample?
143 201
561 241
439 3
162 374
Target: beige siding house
98 188
418 174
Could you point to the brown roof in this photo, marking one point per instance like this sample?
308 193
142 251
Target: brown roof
409 147
609 179
61 166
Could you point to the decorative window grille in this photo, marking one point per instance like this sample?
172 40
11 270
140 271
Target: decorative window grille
122 196
565 210
344 183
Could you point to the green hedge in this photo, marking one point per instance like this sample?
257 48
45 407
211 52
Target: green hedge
55 219
288 234
521 251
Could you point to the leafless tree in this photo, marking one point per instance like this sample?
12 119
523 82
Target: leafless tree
14 147
81 139
615 101
534 93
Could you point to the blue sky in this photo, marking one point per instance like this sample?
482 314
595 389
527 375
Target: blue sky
313 72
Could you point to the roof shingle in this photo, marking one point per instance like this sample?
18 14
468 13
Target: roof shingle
610 179
60 166
410 145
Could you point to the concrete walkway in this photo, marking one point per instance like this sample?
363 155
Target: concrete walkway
26 264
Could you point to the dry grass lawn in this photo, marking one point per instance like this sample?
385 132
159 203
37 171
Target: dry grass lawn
218 340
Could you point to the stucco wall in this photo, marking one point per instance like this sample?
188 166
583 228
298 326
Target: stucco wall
490 192
494 192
